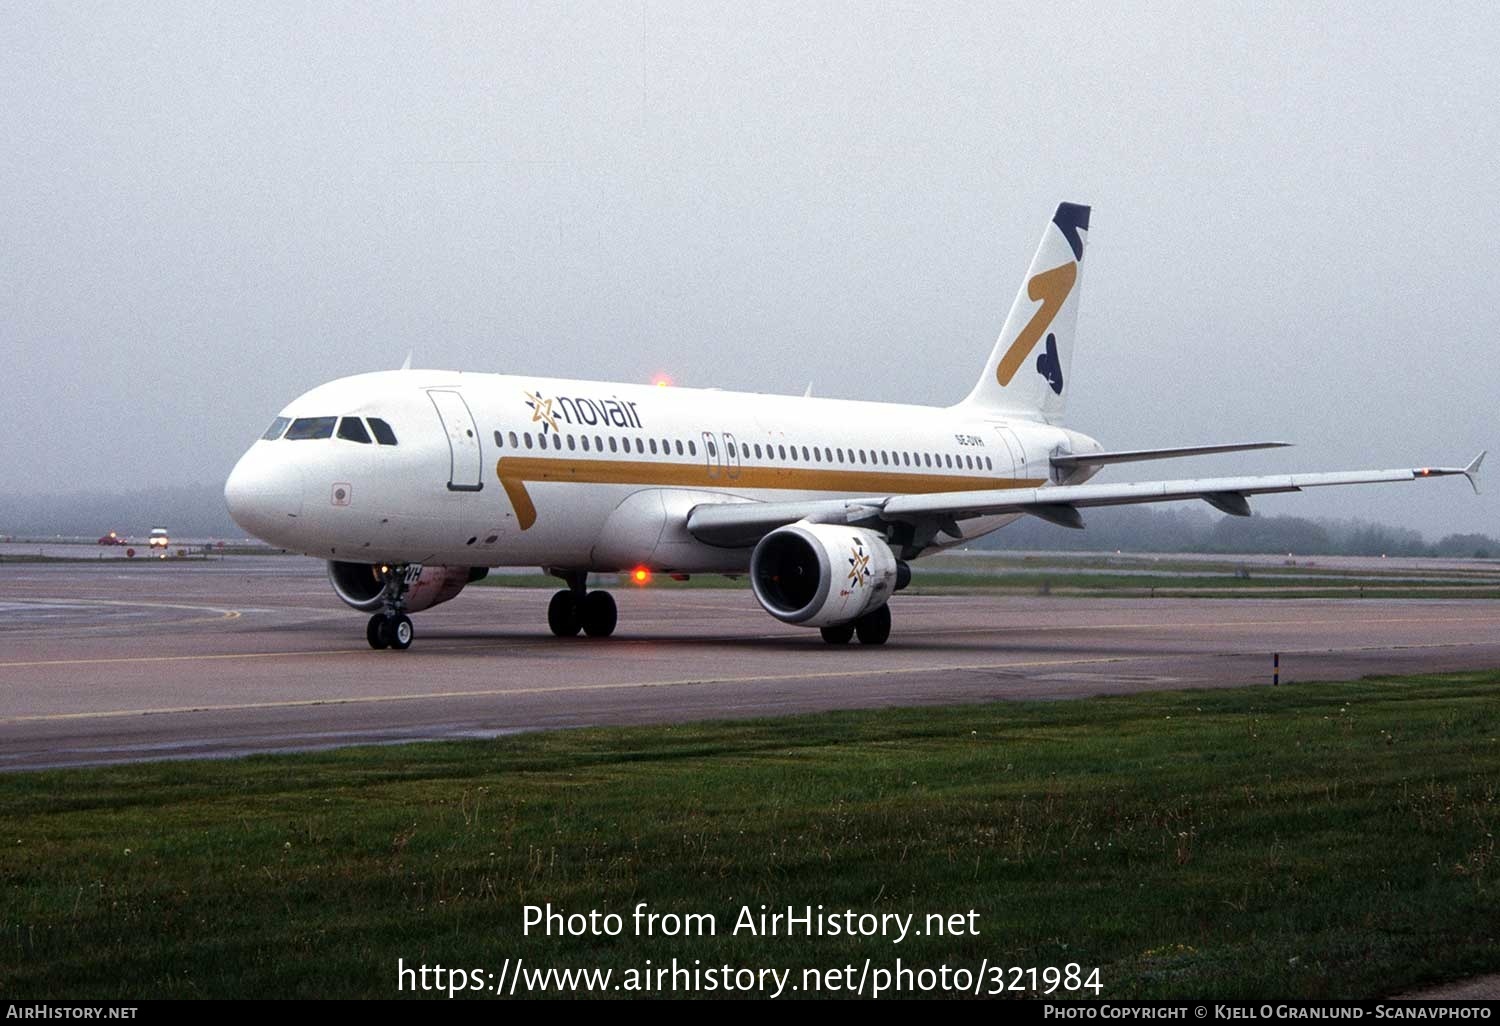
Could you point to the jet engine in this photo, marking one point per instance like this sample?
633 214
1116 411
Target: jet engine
359 584
820 575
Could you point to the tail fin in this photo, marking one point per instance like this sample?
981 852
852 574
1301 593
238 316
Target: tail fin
1027 374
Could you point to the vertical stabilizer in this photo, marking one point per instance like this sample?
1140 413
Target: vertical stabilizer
1027 374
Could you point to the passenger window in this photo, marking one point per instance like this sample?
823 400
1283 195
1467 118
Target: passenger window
782 450
613 447
817 455
757 450
730 447
598 443
572 446
666 447
827 454
585 440
949 459
927 458
713 450
352 429
277 427
653 447
640 446
499 440
840 453
679 447
311 427
513 443
527 436
382 431
692 447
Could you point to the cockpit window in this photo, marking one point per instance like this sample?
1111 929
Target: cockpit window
353 429
277 427
383 433
311 427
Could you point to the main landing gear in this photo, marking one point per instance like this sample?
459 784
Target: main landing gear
391 627
576 608
873 629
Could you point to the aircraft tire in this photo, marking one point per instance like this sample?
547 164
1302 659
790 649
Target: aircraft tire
562 614
398 632
599 614
839 634
375 631
874 628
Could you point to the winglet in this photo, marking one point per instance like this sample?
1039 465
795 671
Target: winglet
1471 472
406 363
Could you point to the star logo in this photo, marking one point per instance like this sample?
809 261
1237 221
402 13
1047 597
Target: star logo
541 411
859 566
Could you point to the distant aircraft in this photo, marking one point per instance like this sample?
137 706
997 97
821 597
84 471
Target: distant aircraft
412 483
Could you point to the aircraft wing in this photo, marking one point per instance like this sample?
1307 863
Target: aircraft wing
743 523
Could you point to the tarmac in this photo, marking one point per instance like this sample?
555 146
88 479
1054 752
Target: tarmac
104 663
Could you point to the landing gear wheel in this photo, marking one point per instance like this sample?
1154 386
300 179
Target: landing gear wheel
874 628
397 632
562 614
599 614
374 631
840 634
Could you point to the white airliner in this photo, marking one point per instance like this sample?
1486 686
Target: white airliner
412 483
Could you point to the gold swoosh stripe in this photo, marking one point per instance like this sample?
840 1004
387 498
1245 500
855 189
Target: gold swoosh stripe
1050 288
515 472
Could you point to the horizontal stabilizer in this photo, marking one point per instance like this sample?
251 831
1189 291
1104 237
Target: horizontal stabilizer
1103 459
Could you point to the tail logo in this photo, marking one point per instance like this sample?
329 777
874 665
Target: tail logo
1049 366
1050 289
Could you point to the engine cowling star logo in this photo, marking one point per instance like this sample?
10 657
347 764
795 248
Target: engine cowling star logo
541 411
859 566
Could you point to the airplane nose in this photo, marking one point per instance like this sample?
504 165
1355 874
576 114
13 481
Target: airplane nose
264 495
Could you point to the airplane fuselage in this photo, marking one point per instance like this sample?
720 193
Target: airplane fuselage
497 470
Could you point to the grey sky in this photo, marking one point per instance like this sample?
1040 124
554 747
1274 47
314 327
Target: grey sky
207 209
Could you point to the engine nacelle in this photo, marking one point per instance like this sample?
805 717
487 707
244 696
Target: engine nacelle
359 585
819 575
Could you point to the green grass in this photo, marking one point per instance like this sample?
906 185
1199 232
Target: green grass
1312 840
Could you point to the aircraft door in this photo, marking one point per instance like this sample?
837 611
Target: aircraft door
1011 444
731 456
465 466
712 456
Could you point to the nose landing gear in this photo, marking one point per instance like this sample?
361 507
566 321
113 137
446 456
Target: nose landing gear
391 627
